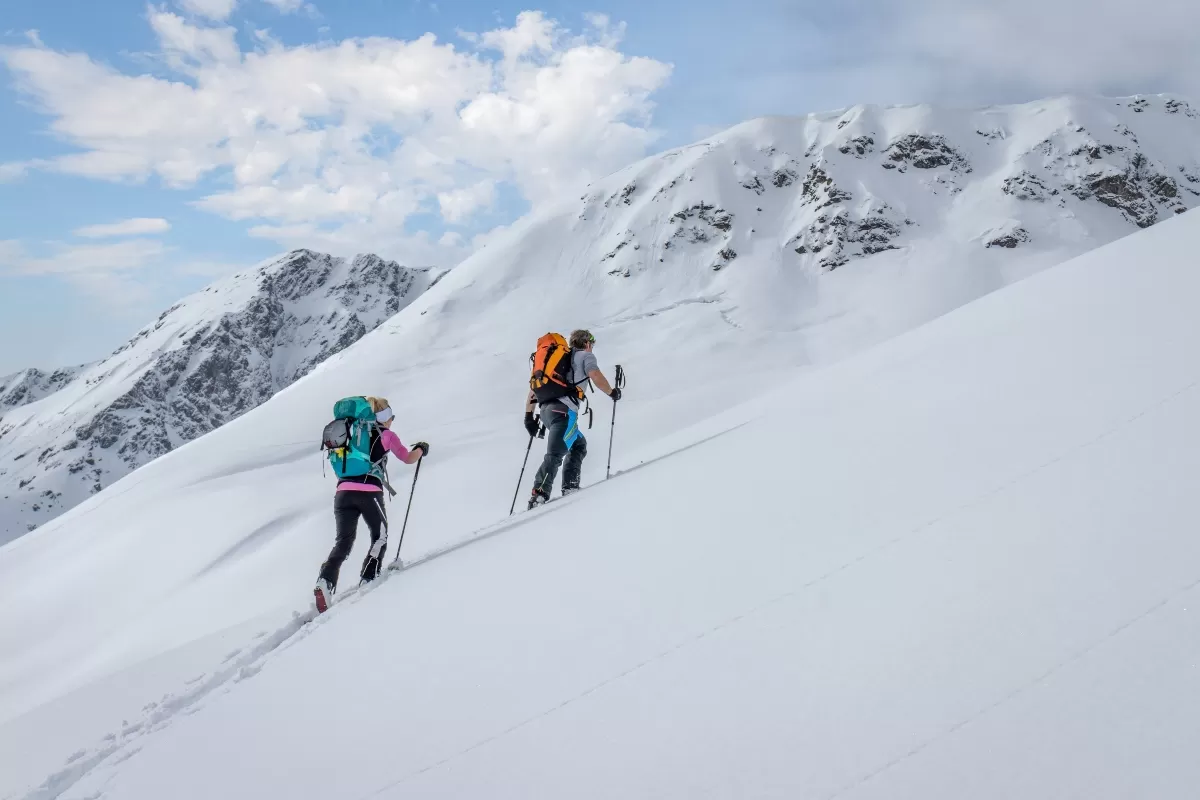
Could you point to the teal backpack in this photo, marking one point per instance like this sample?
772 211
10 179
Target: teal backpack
347 440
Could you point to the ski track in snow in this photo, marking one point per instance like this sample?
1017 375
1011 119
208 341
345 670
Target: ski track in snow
124 744
709 300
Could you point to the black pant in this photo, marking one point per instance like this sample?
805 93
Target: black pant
555 416
347 508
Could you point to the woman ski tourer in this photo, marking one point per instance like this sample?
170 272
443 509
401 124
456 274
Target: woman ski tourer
358 442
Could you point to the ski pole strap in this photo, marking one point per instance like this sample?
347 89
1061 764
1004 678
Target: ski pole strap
620 377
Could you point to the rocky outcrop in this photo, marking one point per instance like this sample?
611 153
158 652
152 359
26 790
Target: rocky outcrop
1009 240
859 146
838 237
924 151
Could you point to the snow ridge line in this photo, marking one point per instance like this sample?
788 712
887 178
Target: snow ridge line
250 663
792 594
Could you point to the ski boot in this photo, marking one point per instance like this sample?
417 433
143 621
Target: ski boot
538 499
323 594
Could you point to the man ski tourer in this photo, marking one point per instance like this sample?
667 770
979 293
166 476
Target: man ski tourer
358 442
561 369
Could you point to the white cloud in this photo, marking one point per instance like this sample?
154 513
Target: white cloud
212 9
113 271
188 47
965 52
287 6
76 260
1066 45
138 226
533 33
308 202
459 204
13 170
351 136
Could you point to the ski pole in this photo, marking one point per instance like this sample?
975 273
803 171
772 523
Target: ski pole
524 464
613 427
411 492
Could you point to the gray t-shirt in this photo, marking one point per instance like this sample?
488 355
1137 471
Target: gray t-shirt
582 362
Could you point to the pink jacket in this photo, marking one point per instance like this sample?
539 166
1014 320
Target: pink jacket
392 444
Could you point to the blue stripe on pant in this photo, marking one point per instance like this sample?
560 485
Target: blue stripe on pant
563 441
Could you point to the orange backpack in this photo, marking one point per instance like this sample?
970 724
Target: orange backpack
551 378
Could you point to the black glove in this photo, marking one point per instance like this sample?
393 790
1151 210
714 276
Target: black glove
423 447
531 424
615 394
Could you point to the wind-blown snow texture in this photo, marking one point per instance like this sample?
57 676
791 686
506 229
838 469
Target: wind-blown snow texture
204 361
955 565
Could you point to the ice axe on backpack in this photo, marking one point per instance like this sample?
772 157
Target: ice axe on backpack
619 383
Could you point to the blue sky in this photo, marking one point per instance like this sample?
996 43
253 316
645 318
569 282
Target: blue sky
210 134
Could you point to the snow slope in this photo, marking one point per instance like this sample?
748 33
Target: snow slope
961 564
204 361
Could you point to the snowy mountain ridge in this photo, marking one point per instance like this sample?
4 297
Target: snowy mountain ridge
827 189
204 361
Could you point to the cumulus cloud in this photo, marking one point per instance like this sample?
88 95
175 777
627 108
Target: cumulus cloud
356 135
138 226
188 47
459 204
